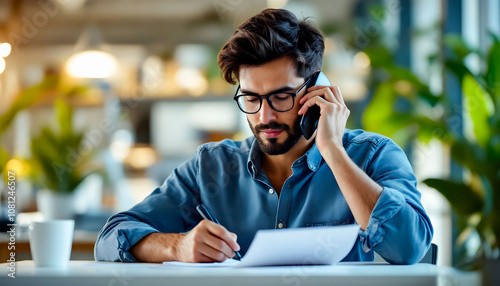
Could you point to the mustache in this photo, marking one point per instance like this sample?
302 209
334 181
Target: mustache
272 125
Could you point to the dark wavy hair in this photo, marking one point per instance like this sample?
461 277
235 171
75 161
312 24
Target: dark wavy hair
269 35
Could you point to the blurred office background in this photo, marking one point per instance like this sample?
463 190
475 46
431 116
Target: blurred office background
150 91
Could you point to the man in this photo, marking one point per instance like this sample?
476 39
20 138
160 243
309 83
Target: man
277 179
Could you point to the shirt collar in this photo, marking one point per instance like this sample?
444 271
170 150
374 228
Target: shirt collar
313 158
253 163
312 155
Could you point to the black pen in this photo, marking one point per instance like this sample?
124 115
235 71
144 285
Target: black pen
206 215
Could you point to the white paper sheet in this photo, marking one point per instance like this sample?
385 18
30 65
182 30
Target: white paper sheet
294 246
301 246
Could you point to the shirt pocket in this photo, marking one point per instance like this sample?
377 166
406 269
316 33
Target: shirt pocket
344 221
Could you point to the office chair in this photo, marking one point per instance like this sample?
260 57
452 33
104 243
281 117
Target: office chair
431 255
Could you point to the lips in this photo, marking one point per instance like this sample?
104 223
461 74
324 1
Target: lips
272 133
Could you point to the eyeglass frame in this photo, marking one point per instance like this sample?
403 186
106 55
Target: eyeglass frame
266 96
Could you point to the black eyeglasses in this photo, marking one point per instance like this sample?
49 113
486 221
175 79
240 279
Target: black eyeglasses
280 101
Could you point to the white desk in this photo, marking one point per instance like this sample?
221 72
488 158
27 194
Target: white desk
144 274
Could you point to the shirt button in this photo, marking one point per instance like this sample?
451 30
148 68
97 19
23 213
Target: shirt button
280 225
271 191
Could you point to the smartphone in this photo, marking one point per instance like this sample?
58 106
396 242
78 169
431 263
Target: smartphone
309 121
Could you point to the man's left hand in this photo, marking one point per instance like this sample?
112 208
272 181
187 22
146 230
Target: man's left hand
334 114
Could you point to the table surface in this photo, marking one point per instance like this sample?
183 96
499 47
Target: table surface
129 274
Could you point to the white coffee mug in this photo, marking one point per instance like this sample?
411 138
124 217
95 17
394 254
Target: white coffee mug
51 241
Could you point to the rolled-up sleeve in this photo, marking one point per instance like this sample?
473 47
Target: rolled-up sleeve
399 229
168 209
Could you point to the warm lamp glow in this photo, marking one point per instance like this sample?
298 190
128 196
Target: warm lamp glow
192 80
361 60
141 157
91 64
15 166
2 65
5 50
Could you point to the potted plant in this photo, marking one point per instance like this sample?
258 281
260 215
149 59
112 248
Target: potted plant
60 162
476 198
23 100
40 172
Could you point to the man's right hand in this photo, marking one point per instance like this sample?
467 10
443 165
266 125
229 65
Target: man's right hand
206 242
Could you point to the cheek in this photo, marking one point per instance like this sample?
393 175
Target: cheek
284 117
253 119
293 113
289 117
297 105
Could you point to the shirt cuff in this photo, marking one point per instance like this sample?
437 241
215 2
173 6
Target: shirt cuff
388 204
128 238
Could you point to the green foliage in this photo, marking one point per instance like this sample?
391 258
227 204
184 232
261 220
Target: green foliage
382 115
492 76
60 162
463 199
480 108
478 153
25 99
4 158
458 46
28 97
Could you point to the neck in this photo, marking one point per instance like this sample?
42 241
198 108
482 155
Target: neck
281 164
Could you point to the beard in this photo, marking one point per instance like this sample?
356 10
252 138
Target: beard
270 146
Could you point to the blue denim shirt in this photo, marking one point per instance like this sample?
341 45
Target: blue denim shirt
227 178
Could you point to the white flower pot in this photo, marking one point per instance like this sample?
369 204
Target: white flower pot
55 205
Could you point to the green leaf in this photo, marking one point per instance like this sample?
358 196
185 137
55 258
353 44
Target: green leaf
380 117
457 68
404 74
4 158
457 45
429 129
380 57
422 91
380 108
463 199
25 99
479 106
64 116
470 155
427 96
488 195
57 157
492 75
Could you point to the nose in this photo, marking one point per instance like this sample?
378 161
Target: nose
267 114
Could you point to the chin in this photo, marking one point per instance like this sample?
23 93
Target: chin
281 144
272 147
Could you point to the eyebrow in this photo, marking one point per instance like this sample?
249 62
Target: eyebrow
285 88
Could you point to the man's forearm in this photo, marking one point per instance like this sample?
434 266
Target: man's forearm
359 190
157 247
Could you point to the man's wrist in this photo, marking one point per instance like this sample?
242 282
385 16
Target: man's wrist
333 153
170 245
157 247
173 251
